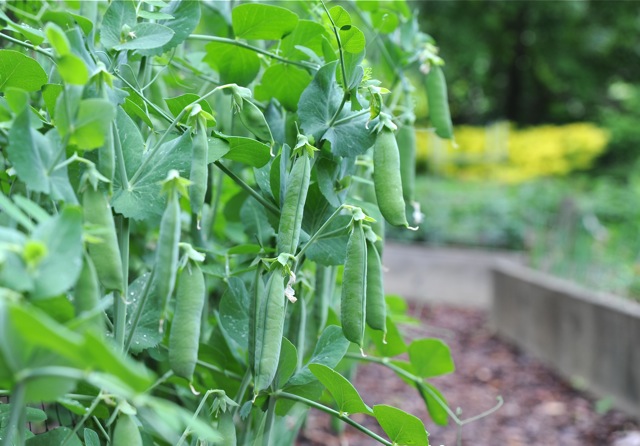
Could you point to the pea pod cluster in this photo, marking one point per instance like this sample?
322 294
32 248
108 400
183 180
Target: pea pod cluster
293 205
105 255
199 175
387 180
439 103
185 328
268 331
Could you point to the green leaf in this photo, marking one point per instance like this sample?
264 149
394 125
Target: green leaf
218 148
247 151
430 357
58 39
142 199
146 36
59 269
329 351
147 334
287 363
184 16
352 40
91 437
401 427
20 71
234 312
233 64
72 69
30 154
131 141
384 20
340 17
177 104
88 128
437 413
35 35
120 13
256 222
50 94
283 82
344 393
55 436
307 34
319 103
394 345
258 21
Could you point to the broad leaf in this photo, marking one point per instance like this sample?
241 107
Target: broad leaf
147 332
60 268
142 199
177 104
401 427
329 350
88 125
256 222
431 357
344 393
233 64
287 363
394 344
247 151
340 17
318 104
434 401
182 17
307 34
146 36
283 82
55 436
352 40
234 312
20 71
258 21
120 13
73 70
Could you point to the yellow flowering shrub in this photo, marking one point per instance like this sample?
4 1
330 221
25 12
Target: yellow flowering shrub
504 153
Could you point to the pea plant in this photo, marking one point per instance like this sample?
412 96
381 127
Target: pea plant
193 200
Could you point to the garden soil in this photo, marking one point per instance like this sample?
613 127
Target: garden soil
539 407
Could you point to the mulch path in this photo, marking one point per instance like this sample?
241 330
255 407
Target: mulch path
539 407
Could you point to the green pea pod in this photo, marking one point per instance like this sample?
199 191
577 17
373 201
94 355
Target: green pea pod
257 296
199 170
376 305
269 331
105 255
387 180
439 103
406 139
253 119
354 287
185 328
293 207
227 429
166 266
87 295
126 432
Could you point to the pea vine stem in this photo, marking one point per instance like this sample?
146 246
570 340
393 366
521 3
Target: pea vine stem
16 418
246 46
335 413
268 206
120 300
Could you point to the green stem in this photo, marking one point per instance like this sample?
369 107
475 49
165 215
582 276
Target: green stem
101 428
217 369
120 300
84 419
243 388
334 413
192 70
240 182
339 109
122 170
155 108
343 68
195 415
28 45
16 427
351 117
319 232
270 421
246 46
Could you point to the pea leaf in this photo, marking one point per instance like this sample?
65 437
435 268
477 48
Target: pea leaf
329 350
437 413
233 64
72 69
395 344
87 128
178 103
430 357
60 268
91 437
119 13
283 82
287 363
20 71
147 334
234 312
145 36
352 40
258 21
55 436
340 17
318 104
247 151
401 427
307 34
142 199
182 17
256 222
345 395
